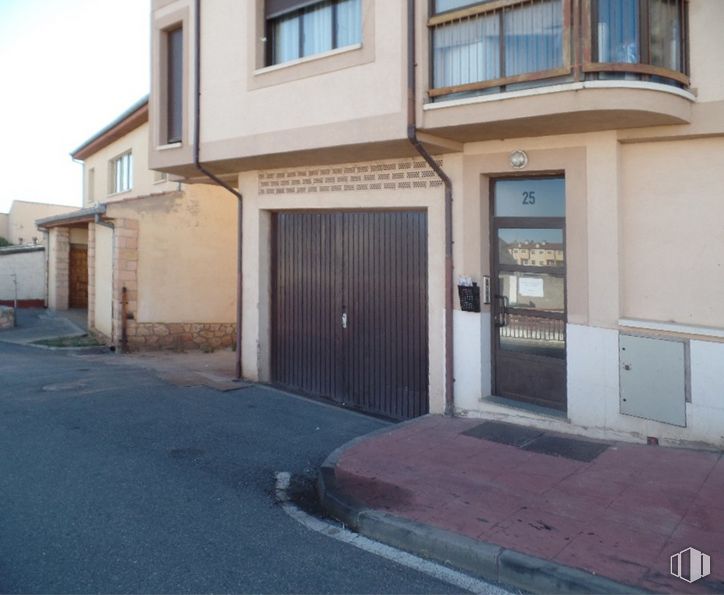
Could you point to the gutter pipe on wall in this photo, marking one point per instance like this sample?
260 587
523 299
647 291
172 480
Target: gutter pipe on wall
217 180
447 182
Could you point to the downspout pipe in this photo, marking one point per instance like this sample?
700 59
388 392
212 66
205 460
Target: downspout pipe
199 166
447 183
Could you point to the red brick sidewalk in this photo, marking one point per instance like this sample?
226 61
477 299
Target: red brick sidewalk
620 516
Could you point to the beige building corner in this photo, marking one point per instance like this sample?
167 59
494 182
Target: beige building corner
585 167
151 260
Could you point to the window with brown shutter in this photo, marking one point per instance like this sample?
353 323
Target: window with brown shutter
298 28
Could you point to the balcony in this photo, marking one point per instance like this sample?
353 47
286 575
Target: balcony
517 49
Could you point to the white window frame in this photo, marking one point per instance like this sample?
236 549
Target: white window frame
121 173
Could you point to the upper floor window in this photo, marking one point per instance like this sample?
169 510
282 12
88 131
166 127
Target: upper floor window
174 85
299 28
122 173
639 32
494 46
488 45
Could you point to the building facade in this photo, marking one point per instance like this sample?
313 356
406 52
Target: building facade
582 141
148 257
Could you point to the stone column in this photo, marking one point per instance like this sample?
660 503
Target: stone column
58 268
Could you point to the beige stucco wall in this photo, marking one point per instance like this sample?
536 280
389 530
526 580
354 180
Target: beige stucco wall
79 235
21 228
28 268
100 162
104 280
672 234
706 47
186 255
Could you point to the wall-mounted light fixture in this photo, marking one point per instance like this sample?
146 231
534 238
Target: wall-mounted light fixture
518 159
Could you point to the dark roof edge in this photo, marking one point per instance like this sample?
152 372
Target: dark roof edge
106 129
21 248
72 217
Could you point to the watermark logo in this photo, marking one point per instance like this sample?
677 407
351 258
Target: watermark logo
690 565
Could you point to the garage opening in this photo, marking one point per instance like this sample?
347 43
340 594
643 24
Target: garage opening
349 309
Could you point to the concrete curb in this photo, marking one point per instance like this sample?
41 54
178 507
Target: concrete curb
90 349
485 560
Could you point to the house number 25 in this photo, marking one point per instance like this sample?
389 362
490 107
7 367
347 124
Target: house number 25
529 197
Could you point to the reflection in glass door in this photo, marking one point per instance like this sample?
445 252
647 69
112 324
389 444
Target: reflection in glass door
529 285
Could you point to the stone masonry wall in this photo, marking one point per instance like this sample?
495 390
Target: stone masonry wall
151 336
7 317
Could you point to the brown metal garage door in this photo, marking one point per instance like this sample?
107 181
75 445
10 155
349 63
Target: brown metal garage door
349 309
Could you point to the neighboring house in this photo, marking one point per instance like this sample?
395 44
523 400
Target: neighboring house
588 135
22 264
152 260
18 226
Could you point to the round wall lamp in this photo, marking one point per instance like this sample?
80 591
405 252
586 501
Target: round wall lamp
518 159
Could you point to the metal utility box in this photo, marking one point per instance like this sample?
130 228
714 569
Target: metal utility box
653 379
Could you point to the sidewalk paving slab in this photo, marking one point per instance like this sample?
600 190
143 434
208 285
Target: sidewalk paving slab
490 498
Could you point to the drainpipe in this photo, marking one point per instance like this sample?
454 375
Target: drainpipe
217 180
46 233
447 182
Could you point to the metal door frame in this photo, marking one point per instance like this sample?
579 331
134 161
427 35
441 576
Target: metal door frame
523 222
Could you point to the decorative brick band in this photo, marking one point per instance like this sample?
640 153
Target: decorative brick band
406 174
150 336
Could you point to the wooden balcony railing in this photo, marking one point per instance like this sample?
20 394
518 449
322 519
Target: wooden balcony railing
502 44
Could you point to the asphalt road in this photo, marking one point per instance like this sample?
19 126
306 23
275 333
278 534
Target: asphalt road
113 481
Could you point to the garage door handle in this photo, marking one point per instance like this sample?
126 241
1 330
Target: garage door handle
344 319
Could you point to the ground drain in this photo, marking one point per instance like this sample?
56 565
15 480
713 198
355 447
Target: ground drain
537 441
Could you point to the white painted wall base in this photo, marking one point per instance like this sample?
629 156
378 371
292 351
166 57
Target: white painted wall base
468 369
593 391
25 268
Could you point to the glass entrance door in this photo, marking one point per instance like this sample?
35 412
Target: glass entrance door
529 288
